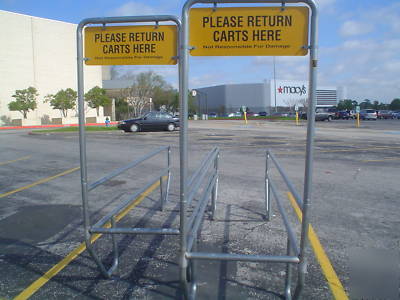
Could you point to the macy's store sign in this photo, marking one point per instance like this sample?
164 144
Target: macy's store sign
298 90
288 93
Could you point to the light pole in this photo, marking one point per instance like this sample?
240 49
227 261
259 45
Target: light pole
194 94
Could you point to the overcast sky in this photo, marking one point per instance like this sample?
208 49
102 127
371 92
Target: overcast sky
359 45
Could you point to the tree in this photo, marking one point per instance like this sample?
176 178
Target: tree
366 104
97 97
167 98
395 104
147 85
25 100
346 104
63 100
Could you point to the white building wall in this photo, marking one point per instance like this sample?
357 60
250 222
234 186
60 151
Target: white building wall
40 53
291 93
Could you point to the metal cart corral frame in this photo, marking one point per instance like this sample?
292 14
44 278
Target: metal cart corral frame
205 179
107 224
294 254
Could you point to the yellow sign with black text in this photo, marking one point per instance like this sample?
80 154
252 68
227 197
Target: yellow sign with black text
249 31
131 45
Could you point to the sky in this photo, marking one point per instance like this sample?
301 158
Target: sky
358 45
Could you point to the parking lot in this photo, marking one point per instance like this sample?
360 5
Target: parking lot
355 207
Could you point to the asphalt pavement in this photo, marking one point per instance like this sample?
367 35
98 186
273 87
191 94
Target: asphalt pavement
354 208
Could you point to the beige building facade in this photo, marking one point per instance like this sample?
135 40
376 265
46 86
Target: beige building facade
40 53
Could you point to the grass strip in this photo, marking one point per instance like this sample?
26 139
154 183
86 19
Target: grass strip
76 129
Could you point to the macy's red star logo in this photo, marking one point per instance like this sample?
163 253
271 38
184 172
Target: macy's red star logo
280 90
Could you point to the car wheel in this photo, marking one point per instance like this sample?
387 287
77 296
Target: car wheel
171 127
329 118
134 128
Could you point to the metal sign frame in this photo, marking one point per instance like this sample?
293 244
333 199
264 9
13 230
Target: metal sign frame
111 218
186 258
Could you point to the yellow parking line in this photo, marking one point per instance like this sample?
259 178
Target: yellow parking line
383 159
11 161
323 260
39 182
360 149
341 150
30 290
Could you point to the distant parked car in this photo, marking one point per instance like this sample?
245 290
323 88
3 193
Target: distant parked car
321 114
343 114
154 120
396 114
280 114
385 114
235 115
262 113
368 114
212 115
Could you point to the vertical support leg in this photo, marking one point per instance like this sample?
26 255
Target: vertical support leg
169 175
288 279
183 42
214 193
115 249
161 194
82 150
307 194
267 191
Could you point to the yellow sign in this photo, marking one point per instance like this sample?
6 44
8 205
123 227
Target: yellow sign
249 31
131 45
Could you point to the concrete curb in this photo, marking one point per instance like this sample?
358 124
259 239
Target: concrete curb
53 126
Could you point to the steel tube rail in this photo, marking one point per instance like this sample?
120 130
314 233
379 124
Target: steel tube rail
242 257
130 19
307 193
125 203
184 68
183 147
203 162
81 112
286 178
199 217
135 230
123 169
210 183
291 234
194 188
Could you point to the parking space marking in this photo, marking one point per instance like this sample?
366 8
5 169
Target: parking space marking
322 258
15 160
342 150
360 149
35 286
39 182
382 159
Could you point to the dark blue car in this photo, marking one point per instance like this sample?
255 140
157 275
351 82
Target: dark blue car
154 120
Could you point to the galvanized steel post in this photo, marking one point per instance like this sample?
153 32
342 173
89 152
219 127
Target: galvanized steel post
214 193
267 190
183 146
309 148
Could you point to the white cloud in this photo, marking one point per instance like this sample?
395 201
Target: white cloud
140 8
134 9
352 28
326 3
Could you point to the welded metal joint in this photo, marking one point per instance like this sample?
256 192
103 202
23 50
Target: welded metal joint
214 7
283 6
